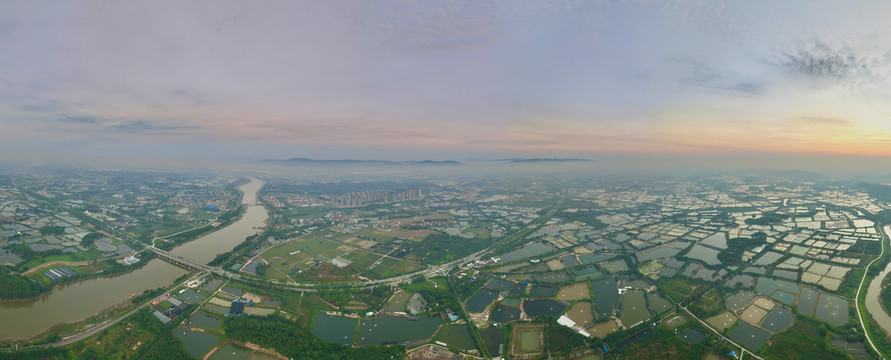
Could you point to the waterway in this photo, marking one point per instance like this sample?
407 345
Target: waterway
873 296
82 299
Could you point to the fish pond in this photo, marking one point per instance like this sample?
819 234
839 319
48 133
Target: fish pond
543 291
750 336
807 301
197 343
706 254
204 321
634 308
533 249
457 336
832 309
231 352
493 338
739 300
547 307
691 335
657 253
479 301
767 286
658 304
777 319
335 328
605 296
382 330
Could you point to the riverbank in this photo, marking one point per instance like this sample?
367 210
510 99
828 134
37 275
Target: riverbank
868 302
69 304
114 269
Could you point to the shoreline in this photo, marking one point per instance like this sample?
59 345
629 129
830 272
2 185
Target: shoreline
86 277
109 312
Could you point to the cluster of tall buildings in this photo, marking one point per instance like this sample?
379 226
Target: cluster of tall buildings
363 198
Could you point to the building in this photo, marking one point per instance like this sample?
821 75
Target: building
362 198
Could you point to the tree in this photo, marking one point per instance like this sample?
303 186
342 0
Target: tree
90 238
52 230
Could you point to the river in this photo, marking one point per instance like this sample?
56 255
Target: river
79 300
873 296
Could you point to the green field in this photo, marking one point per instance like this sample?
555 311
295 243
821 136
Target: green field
477 232
530 341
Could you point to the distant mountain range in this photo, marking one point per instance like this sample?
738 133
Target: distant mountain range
307 161
529 160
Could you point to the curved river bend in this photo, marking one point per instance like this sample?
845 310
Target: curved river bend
82 299
873 295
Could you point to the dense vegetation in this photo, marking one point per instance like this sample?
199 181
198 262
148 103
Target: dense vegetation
52 230
291 340
32 354
736 246
90 239
443 248
14 287
561 340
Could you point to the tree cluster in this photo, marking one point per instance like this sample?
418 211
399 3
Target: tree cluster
19 287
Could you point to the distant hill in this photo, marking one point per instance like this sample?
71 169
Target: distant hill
307 161
529 160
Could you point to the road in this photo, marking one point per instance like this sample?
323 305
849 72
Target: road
857 298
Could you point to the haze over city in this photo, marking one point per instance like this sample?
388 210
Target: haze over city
411 80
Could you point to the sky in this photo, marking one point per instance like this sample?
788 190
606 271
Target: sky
410 80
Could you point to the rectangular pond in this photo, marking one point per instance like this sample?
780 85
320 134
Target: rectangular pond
657 253
458 336
533 249
606 294
750 336
204 321
705 254
832 309
548 307
543 291
807 301
634 308
767 286
493 339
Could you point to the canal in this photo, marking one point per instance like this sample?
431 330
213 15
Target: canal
79 300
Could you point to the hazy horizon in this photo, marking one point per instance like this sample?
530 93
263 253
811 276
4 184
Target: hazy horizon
458 80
